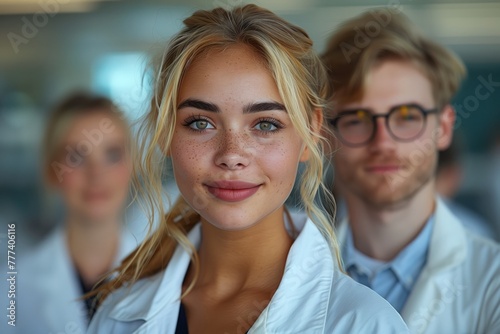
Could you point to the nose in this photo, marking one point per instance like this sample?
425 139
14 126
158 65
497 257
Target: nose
234 150
382 139
95 169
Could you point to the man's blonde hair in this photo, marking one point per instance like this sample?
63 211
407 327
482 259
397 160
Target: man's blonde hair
381 34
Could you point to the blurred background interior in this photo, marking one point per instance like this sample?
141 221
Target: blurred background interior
49 48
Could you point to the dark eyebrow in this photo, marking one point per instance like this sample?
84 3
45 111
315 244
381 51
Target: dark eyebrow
198 105
263 106
250 108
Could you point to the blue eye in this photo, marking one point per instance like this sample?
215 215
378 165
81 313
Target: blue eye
268 125
198 124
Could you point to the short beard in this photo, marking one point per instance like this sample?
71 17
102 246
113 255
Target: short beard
402 194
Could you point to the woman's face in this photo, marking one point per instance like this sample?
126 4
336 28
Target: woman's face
93 167
234 151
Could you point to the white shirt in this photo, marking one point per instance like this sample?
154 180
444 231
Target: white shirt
458 290
48 288
314 296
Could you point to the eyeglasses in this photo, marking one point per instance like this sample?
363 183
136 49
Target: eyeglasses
357 127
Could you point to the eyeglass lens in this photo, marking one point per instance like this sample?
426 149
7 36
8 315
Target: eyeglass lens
404 123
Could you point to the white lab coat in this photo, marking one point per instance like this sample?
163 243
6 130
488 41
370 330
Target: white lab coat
314 296
458 290
48 289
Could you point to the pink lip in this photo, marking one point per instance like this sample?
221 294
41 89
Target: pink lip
382 169
232 191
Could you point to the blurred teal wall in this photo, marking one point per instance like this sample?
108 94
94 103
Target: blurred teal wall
478 107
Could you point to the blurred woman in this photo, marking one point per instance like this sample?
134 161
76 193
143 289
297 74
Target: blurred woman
238 106
87 161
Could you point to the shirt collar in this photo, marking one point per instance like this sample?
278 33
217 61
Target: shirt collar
354 259
406 266
409 262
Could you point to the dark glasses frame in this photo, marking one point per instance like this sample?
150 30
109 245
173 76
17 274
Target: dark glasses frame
425 112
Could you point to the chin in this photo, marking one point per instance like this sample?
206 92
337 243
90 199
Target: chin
386 197
232 228
98 215
228 223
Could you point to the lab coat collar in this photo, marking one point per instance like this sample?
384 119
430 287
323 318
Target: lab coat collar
304 291
448 246
308 276
149 295
60 262
447 249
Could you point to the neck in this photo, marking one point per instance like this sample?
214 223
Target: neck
93 246
254 258
382 232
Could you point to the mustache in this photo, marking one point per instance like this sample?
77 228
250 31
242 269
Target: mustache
378 159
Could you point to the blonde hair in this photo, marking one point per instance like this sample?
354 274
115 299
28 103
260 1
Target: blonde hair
381 34
302 83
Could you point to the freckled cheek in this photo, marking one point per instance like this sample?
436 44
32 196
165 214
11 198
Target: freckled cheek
187 155
281 163
189 161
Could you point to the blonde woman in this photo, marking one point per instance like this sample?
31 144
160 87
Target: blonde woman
238 106
88 163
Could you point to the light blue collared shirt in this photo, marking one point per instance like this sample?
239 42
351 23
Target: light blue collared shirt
392 280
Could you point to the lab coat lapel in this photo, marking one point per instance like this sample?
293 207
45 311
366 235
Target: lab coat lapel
304 289
436 285
63 317
57 315
155 301
156 295
341 233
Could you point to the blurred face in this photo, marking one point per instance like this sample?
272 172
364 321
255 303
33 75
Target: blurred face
93 167
385 171
235 151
